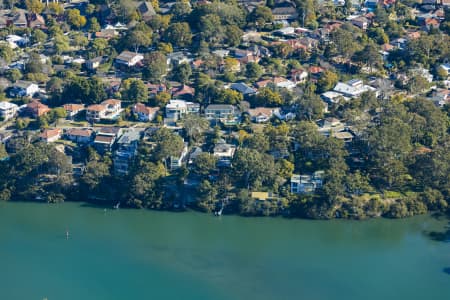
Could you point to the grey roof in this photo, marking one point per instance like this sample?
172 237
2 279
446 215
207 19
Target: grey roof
130 136
220 106
243 88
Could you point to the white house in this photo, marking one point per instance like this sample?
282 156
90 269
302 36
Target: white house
24 89
177 161
224 152
263 114
352 88
7 110
176 109
129 59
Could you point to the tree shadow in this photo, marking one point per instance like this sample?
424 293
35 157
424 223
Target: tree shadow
440 236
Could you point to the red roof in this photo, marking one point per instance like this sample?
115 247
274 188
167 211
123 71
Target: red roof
50 133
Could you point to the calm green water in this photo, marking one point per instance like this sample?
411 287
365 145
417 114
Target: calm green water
129 254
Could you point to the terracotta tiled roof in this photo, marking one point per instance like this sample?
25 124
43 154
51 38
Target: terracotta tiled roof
50 133
79 132
96 107
73 107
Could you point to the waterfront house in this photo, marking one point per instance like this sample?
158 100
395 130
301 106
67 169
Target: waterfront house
306 184
177 161
105 138
225 153
127 148
7 110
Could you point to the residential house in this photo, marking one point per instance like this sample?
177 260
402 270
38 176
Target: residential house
328 126
79 135
183 91
95 112
333 97
127 148
263 114
145 10
73 109
441 97
345 136
264 196
94 63
298 75
50 135
176 58
361 22
178 160
352 88
16 17
23 89
106 34
243 88
107 110
155 89
36 109
225 153
36 21
425 73
105 138
129 59
281 82
176 109
306 184
7 110
145 113
220 111
285 11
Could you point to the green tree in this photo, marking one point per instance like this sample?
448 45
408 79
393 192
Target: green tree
179 34
145 188
38 36
13 75
34 6
140 36
94 25
155 66
267 97
6 53
205 164
134 90
253 71
195 127
182 72
327 81
233 35
75 19
167 144
260 16
228 96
